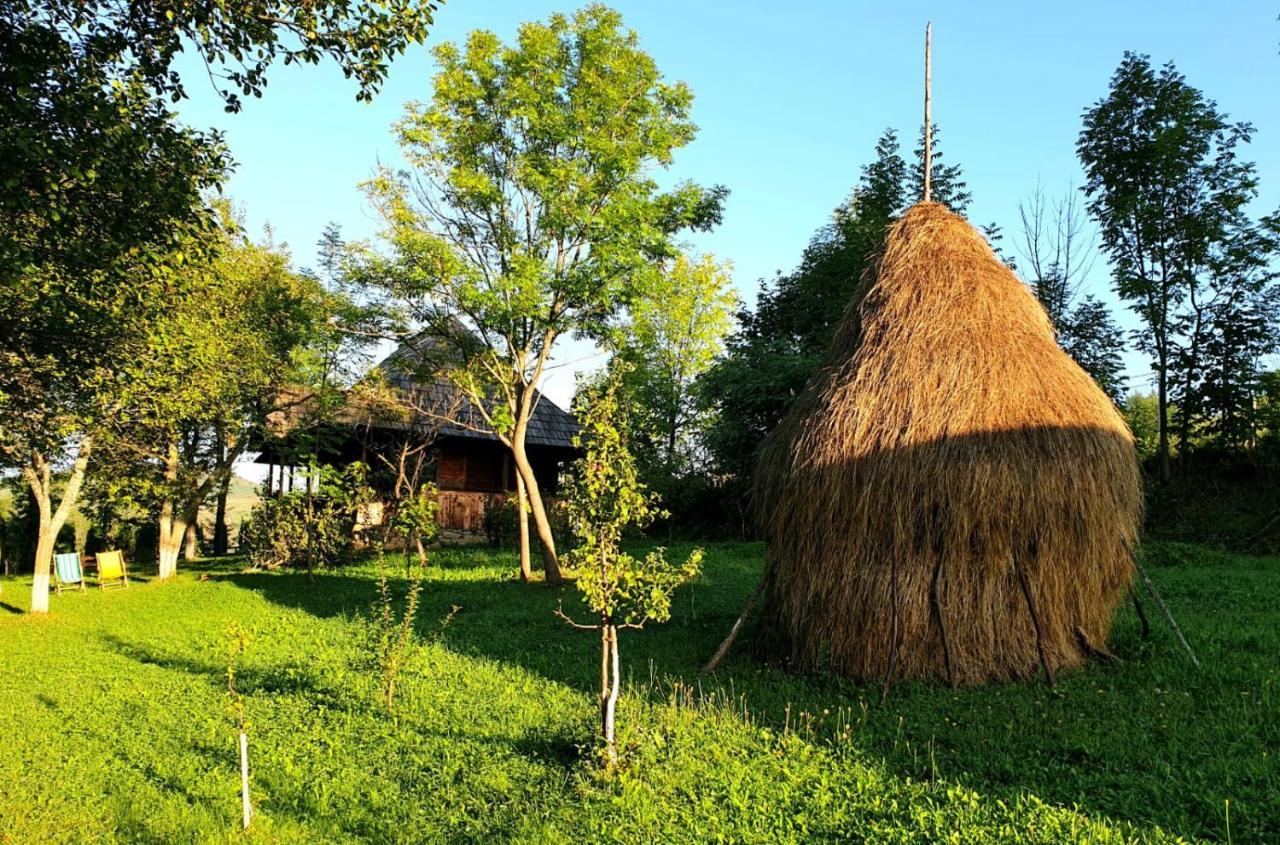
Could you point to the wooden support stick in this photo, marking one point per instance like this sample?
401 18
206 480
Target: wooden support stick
893 646
928 112
1098 651
1142 614
1164 608
1035 621
937 615
714 662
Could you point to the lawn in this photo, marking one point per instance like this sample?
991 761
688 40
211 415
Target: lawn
115 727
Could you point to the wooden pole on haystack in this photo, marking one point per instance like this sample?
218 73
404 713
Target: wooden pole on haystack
928 117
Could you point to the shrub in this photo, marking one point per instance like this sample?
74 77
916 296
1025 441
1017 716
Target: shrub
500 529
307 529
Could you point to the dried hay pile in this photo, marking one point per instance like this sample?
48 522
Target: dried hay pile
953 497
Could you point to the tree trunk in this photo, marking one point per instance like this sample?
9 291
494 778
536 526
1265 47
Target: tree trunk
609 690
540 521
221 538
172 533
44 562
39 477
1162 402
522 524
172 529
189 545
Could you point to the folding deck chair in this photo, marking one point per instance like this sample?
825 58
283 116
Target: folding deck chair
67 572
111 570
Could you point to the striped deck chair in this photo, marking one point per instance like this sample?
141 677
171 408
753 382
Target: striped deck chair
111 570
67 572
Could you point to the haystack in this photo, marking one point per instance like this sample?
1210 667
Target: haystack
953 498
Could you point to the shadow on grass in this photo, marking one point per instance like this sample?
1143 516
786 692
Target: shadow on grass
559 749
281 679
1147 742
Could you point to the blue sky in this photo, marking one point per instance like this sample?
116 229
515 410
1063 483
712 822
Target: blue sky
790 99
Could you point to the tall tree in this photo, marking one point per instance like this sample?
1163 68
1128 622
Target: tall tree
531 210
102 185
1169 193
672 337
206 377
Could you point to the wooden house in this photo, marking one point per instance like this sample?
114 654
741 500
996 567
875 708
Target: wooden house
467 462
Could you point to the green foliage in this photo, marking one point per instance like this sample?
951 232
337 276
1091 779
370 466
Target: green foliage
1141 412
238 640
500 527
605 499
102 204
674 334
1226 499
1091 336
391 641
549 145
101 190
308 529
415 516
1147 751
237 40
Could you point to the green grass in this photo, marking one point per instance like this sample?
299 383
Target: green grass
114 724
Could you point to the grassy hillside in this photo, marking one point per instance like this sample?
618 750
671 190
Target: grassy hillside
117 727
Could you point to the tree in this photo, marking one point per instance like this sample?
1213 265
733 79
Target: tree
1169 193
102 186
531 211
1091 336
1241 329
1141 412
605 500
946 182
207 375
237 40
1058 251
672 337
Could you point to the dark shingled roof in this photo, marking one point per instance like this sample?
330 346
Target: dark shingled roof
550 425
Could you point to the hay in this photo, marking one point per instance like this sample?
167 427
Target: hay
951 455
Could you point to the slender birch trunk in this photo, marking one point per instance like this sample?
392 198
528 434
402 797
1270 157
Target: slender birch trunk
172 528
609 689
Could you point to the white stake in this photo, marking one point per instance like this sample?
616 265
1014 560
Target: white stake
244 779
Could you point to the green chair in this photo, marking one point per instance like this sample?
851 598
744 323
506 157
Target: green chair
111 570
67 572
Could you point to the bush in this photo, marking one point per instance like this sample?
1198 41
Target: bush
292 532
301 529
502 532
500 529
